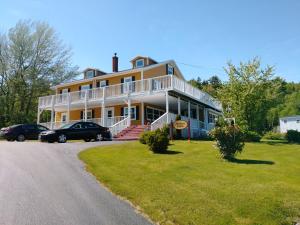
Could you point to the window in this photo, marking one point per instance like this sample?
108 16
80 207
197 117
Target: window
128 85
212 118
90 74
170 70
89 115
103 83
153 114
77 126
92 125
42 128
64 117
83 89
298 121
139 63
285 121
133 112
29 127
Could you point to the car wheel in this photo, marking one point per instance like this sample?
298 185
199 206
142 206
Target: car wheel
99 137
21 138
50 141
62 138
10 139
87 139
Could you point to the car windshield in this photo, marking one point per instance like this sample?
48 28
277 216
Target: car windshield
66 126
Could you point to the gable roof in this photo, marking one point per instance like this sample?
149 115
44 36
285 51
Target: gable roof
146 57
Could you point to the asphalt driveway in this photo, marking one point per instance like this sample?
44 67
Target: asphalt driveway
43 183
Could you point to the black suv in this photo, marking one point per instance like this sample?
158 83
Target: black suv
22 132
86 131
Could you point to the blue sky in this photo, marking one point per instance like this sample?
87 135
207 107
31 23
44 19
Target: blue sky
206 34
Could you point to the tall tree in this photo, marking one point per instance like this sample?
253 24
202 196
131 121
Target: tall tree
32 58
249 94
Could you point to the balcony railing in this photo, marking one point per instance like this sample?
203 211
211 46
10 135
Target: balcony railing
146 86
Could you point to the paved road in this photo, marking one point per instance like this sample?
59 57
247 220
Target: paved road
43 184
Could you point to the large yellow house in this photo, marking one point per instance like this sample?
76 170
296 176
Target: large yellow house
155 92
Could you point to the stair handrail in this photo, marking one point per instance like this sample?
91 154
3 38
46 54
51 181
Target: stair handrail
119 126
159 122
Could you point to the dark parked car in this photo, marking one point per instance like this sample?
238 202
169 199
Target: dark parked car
86 131
22 132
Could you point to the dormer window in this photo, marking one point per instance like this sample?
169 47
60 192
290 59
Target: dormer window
139 63
90 74
170 70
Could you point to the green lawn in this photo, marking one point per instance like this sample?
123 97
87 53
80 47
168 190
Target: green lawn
192 185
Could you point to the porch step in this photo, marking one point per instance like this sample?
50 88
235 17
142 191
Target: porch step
131 133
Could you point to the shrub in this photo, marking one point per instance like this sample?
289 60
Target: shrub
293 136
274 136
157 141
229 138
144 137
251 136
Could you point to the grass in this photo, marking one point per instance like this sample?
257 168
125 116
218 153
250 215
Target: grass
192 185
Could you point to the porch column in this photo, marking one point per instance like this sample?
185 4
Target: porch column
178 106
197 112
206 118
52 112
143 113
189 109
38 116
129 111
103 107
69 103
167 106
85 105
103 113
142 79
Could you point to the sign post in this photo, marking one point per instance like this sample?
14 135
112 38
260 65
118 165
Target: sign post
181 124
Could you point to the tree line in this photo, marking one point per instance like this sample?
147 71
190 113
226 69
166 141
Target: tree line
253 95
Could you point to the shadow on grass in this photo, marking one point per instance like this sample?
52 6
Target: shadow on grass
251 161
169 152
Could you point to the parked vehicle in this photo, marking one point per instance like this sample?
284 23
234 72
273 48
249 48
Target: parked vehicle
86 131
22 132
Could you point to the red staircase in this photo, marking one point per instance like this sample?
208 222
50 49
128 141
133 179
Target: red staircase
130 133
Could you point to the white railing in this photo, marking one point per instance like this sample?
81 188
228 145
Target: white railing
162 120
110 121
201 96
146 86
118 127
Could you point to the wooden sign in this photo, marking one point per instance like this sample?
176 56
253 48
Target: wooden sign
180 124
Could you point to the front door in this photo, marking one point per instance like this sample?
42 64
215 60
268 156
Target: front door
109 116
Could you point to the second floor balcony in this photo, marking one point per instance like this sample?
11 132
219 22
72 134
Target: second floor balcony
137 88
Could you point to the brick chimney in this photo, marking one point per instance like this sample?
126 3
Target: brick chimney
115 63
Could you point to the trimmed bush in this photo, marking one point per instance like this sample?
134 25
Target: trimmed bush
144 137
157 141
293 136
229 138
274 136
251 136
